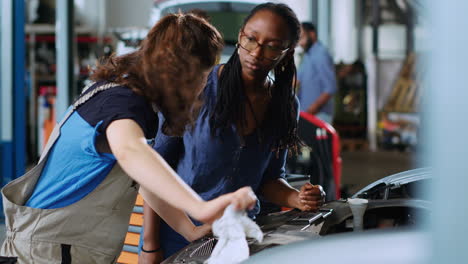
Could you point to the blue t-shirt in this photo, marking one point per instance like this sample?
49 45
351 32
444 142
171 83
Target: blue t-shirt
213 166
316 76
74 167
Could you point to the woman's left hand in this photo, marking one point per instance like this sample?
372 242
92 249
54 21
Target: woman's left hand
310 197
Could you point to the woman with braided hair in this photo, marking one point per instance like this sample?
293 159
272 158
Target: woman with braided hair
244 129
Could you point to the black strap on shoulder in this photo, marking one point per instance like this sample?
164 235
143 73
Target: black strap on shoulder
85 97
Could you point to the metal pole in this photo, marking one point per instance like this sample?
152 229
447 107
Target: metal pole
323 22
360 6
375 26
314 13
409 30
373 80
33 97
19 89
65 59
6 89
101 26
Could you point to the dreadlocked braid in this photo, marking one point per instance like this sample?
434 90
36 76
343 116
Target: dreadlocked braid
230 99
280 122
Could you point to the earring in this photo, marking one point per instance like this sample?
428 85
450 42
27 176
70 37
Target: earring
282 68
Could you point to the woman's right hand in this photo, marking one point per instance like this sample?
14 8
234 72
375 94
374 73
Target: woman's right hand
242 199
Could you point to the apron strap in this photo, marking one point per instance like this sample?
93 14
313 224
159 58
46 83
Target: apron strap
81 100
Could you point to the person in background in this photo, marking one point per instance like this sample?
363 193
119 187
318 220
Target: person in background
74 207
316 76
244 130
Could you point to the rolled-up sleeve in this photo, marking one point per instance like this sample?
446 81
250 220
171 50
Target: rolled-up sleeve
326 73
276 166
301 70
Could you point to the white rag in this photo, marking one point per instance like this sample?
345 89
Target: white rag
231 230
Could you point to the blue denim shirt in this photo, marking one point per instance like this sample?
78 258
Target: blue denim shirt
215 165
316 76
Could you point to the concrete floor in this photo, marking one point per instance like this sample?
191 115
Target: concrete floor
359 169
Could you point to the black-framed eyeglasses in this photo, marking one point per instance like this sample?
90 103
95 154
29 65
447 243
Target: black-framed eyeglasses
269 52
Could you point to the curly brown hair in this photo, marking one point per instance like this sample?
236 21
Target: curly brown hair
167 67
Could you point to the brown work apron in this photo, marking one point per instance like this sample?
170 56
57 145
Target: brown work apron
91 230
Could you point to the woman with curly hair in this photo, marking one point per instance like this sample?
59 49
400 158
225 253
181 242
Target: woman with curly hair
75 205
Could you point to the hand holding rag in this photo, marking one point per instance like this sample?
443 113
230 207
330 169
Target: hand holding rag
231 230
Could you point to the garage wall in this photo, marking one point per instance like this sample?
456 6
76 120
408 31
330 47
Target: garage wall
106 14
